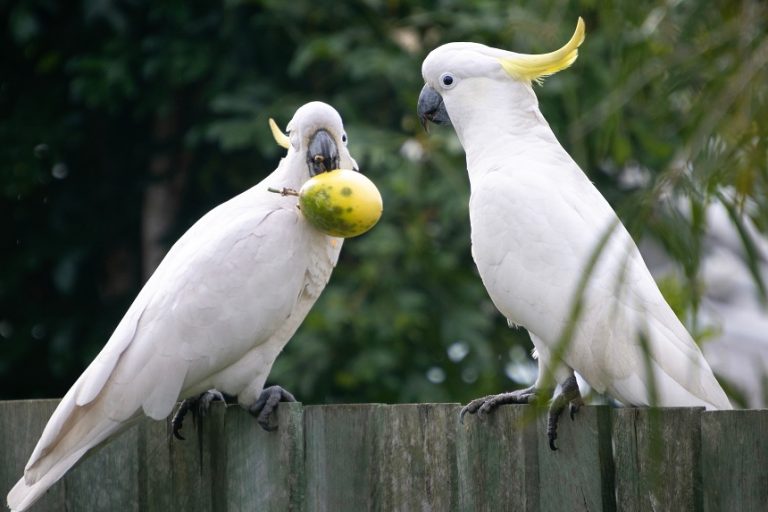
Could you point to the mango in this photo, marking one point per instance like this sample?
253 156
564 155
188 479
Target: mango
341 203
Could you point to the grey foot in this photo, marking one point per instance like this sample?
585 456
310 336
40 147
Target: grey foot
486 404
570 396
198 405
267 403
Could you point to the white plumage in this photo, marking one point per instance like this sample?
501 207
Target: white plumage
730 310
537 220
215 314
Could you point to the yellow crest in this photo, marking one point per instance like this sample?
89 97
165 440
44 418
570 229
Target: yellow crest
535 67
281 138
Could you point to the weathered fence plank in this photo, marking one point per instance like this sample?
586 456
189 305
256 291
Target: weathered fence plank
416 454
189 468
155 479
735 460
263 470
656 455
578 476
497 461
21 424
375 457
116 463
341 464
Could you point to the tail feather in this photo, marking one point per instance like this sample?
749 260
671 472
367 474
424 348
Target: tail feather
24 494
83 429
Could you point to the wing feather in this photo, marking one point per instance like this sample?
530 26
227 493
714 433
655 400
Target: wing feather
551 220
238 259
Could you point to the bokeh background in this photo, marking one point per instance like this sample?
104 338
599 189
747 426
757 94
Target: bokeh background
122 122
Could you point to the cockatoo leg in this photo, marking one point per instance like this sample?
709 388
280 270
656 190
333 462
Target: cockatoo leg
569 395
267 403
486 404
199 406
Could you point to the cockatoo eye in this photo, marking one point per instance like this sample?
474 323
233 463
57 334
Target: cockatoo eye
344 138
447 80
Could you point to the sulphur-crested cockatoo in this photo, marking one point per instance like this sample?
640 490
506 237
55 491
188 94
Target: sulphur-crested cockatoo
551 251
215 314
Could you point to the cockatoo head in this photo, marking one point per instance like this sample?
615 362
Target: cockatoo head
316 135
457 75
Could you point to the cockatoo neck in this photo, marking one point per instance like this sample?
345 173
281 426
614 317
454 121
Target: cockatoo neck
293 171
495 116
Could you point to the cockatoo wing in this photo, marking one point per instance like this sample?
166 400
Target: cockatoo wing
231 277
216 313
533 246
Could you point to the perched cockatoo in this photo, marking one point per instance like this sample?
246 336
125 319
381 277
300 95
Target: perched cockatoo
551 251
215 314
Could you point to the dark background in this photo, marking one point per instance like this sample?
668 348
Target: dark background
122 122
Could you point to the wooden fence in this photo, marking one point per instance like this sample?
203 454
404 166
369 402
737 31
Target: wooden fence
412 458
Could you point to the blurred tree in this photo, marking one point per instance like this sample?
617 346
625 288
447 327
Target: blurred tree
122 122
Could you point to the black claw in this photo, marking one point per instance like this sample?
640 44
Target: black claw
178 419
552 417
569 395
199 407
552 429
572 410
474 407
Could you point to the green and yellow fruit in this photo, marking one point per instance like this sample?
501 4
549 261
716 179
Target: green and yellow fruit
341 203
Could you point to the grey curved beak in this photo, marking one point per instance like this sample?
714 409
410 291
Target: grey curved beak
431 108
322 154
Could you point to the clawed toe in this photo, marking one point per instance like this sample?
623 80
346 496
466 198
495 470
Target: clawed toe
209 397
178 419
569 395
552 418
493 402
472 407
574 406
198 405
487 404
267 403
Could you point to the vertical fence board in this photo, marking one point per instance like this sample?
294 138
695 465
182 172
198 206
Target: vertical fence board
340 457
117 462
264 470
190 462
21 424
155 479
417 457
579 475
656 454
410 457
735 460
498 461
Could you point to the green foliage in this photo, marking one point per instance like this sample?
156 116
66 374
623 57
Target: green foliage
92 93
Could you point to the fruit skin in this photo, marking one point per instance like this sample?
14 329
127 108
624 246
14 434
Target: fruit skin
341 203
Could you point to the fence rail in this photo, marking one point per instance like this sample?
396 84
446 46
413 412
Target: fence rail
412 458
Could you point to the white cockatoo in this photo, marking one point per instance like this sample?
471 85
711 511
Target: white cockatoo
215 314
550 250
